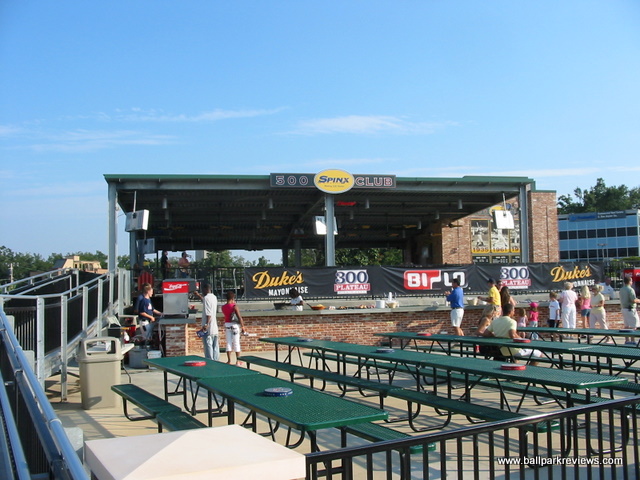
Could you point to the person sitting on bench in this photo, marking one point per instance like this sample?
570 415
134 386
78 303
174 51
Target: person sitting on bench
506 327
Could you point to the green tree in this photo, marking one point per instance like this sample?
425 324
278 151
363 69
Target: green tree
351 257
20 265
600 198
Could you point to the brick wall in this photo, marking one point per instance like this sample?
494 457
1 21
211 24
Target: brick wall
352 327
543 233
543 227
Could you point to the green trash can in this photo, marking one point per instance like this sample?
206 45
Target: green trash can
100 361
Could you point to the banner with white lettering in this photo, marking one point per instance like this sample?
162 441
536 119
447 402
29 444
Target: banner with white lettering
378 282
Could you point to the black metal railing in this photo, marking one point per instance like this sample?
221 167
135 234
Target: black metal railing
35 444
593 441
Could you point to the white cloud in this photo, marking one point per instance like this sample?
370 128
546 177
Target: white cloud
153 115
368 124
8 131
91 140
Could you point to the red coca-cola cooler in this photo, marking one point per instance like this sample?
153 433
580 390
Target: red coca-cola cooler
634 273
175 295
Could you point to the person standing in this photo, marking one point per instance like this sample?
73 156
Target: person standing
554 310
493 295
585 305
533 319
183 264
598 315
607 289
567 301
628 302
164 264
505 296
455 297
146 313
233 325
210 324
296 300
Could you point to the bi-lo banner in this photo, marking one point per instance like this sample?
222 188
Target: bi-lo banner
376 281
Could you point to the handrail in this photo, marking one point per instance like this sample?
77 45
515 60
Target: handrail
64 460
31 280
70 291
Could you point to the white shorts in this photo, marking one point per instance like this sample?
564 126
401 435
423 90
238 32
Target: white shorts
456 316
527 352
630 318
233 332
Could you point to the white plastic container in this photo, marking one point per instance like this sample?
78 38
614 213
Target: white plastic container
153 354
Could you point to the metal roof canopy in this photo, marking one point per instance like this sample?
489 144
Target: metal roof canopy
229 212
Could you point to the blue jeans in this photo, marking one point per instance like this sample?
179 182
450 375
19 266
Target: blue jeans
211 346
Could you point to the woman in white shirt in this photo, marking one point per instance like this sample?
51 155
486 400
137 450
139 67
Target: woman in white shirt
567 301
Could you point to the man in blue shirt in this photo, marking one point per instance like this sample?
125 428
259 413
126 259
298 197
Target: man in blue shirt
456 299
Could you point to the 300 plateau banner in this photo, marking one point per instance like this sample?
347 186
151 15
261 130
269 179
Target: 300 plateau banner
376 281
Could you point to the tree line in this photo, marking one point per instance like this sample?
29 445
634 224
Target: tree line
600 198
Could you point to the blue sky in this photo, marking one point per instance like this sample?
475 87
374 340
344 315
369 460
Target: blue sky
429 88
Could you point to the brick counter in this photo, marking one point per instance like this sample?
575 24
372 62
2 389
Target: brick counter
354 326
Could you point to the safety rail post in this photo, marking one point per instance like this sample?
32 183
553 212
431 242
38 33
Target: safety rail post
40 347
100 293
64 340
85 306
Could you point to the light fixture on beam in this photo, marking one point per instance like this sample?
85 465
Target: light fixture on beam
459 204
165 203
437 215
351 215
270 203
419 224
366 204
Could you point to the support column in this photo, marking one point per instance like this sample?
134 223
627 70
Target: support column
113 229
330 241
524 225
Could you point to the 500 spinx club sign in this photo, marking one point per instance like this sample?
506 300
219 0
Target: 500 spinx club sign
331 181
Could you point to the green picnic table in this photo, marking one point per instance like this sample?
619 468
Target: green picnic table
305 410
189 375
473 369
585 332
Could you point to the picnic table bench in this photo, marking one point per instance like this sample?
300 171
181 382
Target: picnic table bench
164 413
